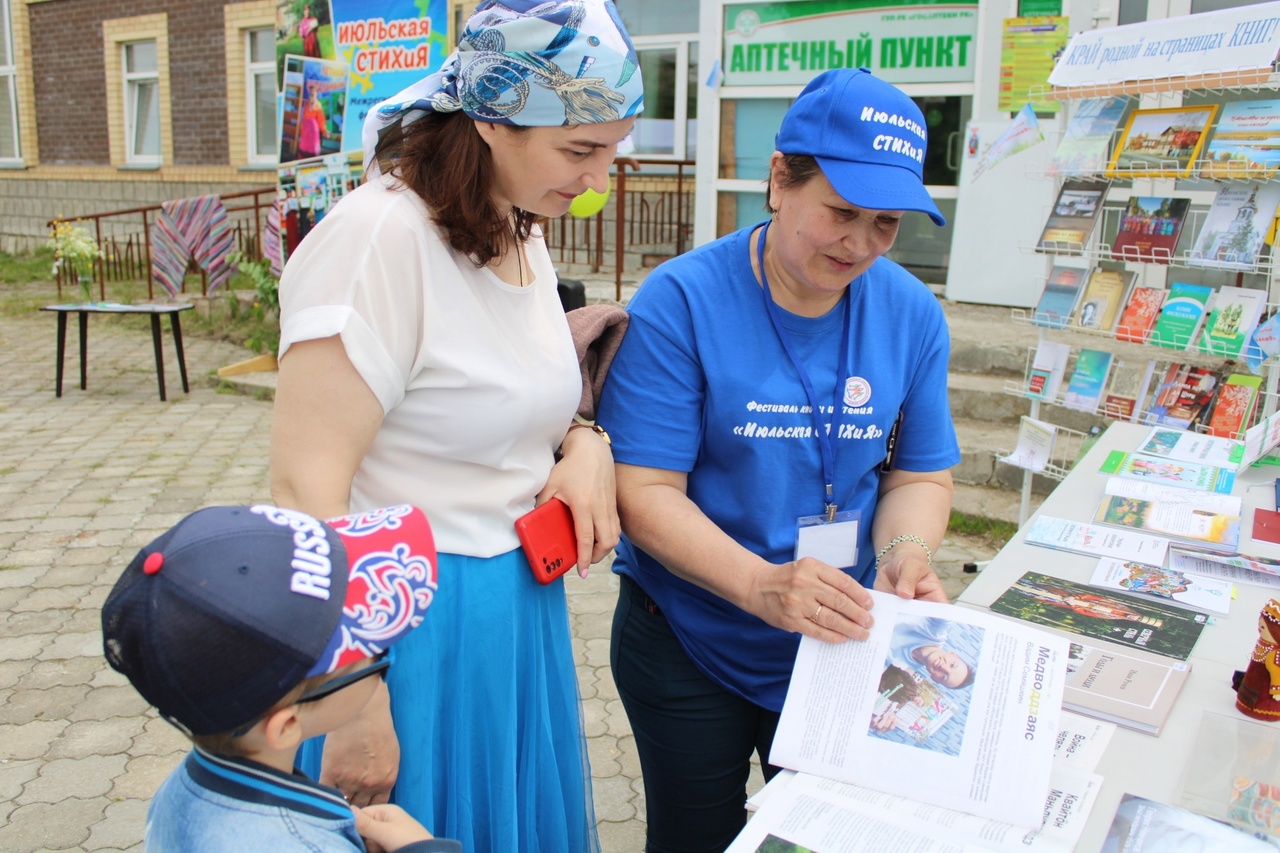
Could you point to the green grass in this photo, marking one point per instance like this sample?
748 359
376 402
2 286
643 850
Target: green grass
33 266
991 530
27 283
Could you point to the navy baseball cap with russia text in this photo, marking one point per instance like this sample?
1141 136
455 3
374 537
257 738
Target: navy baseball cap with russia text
220 617
868 137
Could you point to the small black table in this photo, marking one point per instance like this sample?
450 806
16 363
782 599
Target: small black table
84 309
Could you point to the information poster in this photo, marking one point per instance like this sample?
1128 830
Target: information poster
1028 51
336 60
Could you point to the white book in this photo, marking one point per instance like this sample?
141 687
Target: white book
807 812
1199 499
1035 445
975 705
1048 366
1081 538
1179 444
1235 228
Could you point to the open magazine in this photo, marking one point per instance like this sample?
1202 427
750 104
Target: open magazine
944 705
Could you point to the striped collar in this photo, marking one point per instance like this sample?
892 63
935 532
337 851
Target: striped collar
252 782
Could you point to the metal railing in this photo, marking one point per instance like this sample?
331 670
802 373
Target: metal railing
124 238
661 220
658 220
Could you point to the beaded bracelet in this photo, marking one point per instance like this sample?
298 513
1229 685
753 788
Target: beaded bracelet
898 540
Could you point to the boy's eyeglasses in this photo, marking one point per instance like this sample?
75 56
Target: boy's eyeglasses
315 694
380 664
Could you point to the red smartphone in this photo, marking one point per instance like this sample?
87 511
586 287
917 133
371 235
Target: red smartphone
549 541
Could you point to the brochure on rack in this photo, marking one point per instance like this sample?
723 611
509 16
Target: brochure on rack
953 707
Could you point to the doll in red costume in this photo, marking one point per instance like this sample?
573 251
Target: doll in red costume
1258 687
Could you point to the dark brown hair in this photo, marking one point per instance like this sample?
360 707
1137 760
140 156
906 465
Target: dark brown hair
797 170
442 159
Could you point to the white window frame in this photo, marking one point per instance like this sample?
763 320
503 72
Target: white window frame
131 81
9 80
252 71
680 43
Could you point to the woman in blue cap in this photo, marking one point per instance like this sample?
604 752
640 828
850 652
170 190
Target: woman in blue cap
783 439
425 359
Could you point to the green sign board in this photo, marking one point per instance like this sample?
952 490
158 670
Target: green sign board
902 42
1039 8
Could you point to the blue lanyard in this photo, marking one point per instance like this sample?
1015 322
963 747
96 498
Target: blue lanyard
825 446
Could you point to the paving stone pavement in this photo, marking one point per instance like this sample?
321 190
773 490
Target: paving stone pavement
85 481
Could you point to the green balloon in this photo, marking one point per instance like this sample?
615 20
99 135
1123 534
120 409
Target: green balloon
589 203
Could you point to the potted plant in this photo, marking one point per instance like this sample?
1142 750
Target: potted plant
74 248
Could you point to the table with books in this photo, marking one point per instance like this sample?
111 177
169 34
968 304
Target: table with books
1203 739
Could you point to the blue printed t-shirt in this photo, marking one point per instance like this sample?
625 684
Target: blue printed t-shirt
702 385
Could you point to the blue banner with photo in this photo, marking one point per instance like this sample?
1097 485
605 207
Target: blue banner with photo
387 45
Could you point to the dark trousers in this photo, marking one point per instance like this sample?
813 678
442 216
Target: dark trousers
694 738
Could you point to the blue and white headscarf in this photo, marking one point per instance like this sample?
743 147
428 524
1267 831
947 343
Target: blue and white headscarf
526 63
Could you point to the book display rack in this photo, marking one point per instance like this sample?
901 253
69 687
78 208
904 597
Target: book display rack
1161 183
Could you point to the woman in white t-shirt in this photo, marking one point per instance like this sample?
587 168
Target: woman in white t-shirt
425 359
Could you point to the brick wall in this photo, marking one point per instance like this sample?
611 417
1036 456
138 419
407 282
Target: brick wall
70 87
27 204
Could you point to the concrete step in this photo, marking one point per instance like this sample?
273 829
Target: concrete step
981 444
992 502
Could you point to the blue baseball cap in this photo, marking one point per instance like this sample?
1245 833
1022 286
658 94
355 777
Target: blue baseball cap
868 137
221 616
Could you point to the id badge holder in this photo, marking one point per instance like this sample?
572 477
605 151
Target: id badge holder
833 542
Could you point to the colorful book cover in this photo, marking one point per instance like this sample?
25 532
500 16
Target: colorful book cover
1103 298
1149 229
1126 389
1183 312
1140 314
1245 143
1182 522
1263 343
1126 686
1116 617
1059 297
1235 313
1085 143
1183 397
1193 447
1161 143
1187 475
1084 391
1182 588
1233 231
1048 366
1074 214
1234 407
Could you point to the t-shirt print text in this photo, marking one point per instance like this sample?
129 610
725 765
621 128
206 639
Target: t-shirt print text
802 428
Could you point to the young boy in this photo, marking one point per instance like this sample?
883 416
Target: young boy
252 629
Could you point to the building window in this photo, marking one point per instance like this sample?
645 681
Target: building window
668 125
141 103
8 89
260 76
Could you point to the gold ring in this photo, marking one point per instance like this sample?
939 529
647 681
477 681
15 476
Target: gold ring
814 617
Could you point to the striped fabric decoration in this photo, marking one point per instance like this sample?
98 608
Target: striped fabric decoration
191 227
271 239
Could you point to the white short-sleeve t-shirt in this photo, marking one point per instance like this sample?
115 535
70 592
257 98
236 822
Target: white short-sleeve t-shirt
477 378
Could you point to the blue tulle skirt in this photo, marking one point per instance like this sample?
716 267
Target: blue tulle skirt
485 701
